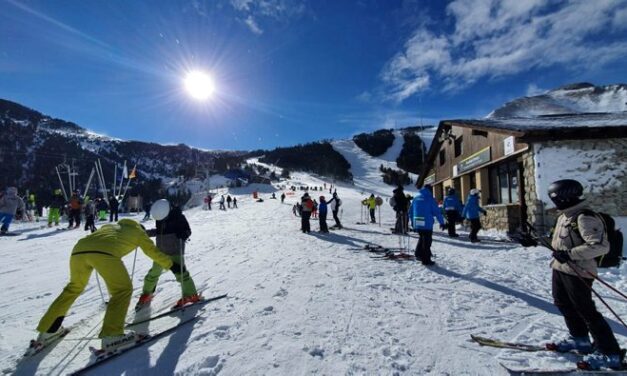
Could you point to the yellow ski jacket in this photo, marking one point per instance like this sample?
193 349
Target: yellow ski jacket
371 202
119 240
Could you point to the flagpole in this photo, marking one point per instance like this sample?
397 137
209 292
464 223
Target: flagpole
129 181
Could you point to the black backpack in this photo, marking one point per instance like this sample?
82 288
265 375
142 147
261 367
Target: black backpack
614 237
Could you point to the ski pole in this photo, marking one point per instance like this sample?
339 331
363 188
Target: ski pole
100 289
576 269
133 270
596 277
182 268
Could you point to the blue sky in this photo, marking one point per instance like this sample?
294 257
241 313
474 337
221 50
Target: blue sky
290 71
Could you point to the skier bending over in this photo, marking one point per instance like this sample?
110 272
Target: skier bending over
172 231
103 251
9 204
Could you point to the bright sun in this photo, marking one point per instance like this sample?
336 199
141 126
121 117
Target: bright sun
199 85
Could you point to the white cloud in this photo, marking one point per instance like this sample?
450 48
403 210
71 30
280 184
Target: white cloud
277 10
493 38
252 25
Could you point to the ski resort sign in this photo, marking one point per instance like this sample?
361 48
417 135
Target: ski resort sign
477 159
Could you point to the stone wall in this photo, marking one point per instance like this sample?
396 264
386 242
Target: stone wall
502 217
600 165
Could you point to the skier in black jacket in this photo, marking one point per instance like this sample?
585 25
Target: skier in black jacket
400 206
172 230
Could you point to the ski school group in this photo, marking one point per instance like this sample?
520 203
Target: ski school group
581 239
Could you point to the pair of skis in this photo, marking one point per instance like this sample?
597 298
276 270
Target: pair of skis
102 357
483 341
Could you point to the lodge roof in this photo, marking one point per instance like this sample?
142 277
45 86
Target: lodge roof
552 127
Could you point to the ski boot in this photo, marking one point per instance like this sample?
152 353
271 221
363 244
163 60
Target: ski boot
187 300
579 344
143 301
597 360
112 344
44 339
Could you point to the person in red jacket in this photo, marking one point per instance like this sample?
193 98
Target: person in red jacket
307 207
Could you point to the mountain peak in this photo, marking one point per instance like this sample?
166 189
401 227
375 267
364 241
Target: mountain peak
581 97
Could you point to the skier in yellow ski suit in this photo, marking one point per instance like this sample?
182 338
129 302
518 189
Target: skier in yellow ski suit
103 250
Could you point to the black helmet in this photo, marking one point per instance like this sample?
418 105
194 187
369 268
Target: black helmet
451 191
565 193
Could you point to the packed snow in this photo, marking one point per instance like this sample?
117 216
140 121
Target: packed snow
301 303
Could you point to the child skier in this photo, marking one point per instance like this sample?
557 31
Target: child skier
103 251
172 231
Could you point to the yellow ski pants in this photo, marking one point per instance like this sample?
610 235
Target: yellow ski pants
118 284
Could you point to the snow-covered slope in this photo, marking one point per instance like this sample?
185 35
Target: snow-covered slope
575 98
301 304
365 168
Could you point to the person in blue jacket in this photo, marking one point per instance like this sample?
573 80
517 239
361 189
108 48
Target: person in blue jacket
471 212
423 209
453 210
322 215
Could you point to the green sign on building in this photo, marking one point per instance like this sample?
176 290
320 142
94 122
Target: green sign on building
477 159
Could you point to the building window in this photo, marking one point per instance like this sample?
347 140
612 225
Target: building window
458 146
442 157
504 184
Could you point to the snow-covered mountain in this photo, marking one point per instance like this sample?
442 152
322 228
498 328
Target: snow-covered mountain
33 144
568 99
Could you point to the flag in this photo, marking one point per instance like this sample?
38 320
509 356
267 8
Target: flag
125 172
133 174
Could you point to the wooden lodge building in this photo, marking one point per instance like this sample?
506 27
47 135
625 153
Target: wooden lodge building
512 161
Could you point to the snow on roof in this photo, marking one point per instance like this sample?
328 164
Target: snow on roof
556 126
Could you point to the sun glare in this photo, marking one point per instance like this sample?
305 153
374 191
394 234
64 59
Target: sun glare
199 85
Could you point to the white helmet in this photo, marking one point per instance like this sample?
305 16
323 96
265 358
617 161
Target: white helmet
160 209
474 192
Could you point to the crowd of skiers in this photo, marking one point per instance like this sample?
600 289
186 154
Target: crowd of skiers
12 206
579 236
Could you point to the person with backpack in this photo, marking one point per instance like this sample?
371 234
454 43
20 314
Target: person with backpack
172 231
102 251
75 207
423 209
306 209
10 203
114 207
371 203
580 235
399 203
335 203
453 209
471 212
90 216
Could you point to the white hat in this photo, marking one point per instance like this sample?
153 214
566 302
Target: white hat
474 191
160 209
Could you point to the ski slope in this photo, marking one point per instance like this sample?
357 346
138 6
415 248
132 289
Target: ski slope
301 303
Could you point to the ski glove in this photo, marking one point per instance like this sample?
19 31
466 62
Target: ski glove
562 256
525 239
